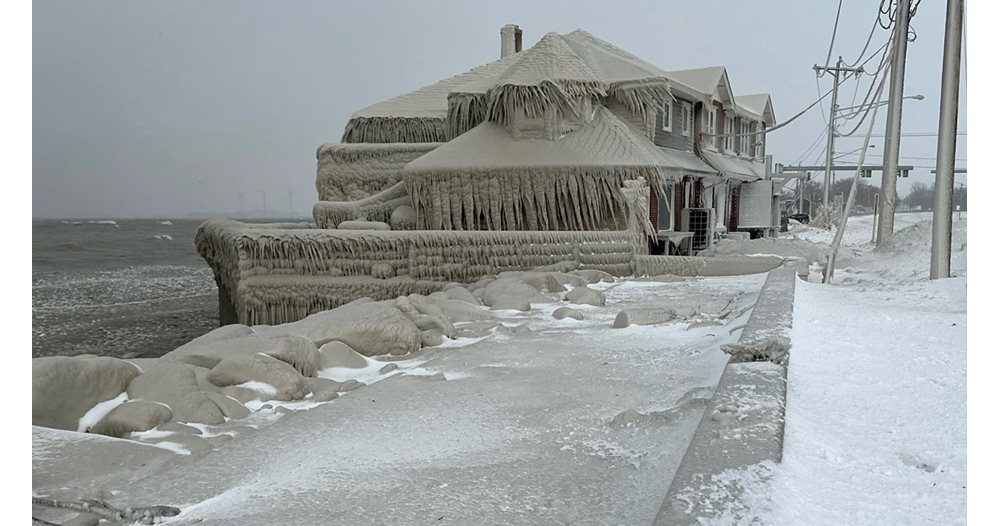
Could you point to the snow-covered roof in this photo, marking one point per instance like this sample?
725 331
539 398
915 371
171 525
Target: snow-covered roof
759 105
705 82
553 71
734 167
606 141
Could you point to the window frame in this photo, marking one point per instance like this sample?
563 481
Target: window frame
727 140
744 137
710 125
687 113
667 122
758 146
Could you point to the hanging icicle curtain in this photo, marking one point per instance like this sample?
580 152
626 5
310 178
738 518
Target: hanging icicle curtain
530 198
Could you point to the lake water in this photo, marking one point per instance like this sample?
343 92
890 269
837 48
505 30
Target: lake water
125 288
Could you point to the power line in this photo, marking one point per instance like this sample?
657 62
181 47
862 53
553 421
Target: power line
912 157
833 37
910 134
870 35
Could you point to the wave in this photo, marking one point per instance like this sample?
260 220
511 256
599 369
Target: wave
165 237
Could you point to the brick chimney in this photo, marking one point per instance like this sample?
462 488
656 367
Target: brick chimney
510 40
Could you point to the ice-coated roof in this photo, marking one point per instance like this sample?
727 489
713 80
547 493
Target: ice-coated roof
577 55
734 167
758 104
432 101
606 141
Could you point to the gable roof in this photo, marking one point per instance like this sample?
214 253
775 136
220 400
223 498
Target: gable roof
705 82
758 104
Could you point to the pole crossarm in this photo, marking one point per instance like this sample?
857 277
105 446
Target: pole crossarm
826 69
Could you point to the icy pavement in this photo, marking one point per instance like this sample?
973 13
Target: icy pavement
875 429
544 422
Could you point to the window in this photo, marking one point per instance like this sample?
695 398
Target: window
744 137
686 118
727 142
710 125
668 116
758 145
665 207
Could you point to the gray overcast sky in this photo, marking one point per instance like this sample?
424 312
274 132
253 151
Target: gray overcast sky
163 109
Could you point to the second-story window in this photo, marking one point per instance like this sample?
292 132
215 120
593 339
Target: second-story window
668 116
710 125
727 142
744 137
686 119
758 143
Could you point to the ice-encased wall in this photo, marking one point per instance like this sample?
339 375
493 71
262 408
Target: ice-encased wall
273 275
350 172
728 265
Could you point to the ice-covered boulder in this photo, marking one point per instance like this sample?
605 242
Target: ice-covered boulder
511 293
567 312
298 351
541 281
176 385
586 296
649 316
64 388
372 328
133 416
288 384
594 276
462 294
339 354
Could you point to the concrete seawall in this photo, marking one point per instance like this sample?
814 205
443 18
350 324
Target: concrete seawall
744 422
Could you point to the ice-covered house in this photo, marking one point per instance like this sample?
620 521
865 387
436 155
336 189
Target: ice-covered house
706 118
543 157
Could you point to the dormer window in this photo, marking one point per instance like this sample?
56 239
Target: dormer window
668 116
710 125
686 119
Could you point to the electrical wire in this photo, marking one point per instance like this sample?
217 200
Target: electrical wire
868 42
868 106
833 37
914 134
812 146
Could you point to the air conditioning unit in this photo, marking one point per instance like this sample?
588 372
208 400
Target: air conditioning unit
700 221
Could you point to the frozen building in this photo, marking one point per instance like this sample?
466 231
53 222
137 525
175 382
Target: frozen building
572 153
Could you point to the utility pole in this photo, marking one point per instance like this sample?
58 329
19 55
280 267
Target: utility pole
893 122
831 132
802 191
944 180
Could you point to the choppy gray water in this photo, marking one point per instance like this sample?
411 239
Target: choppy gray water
128 288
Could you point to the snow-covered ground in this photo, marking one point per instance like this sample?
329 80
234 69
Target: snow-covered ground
876 409
545 421
551 421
